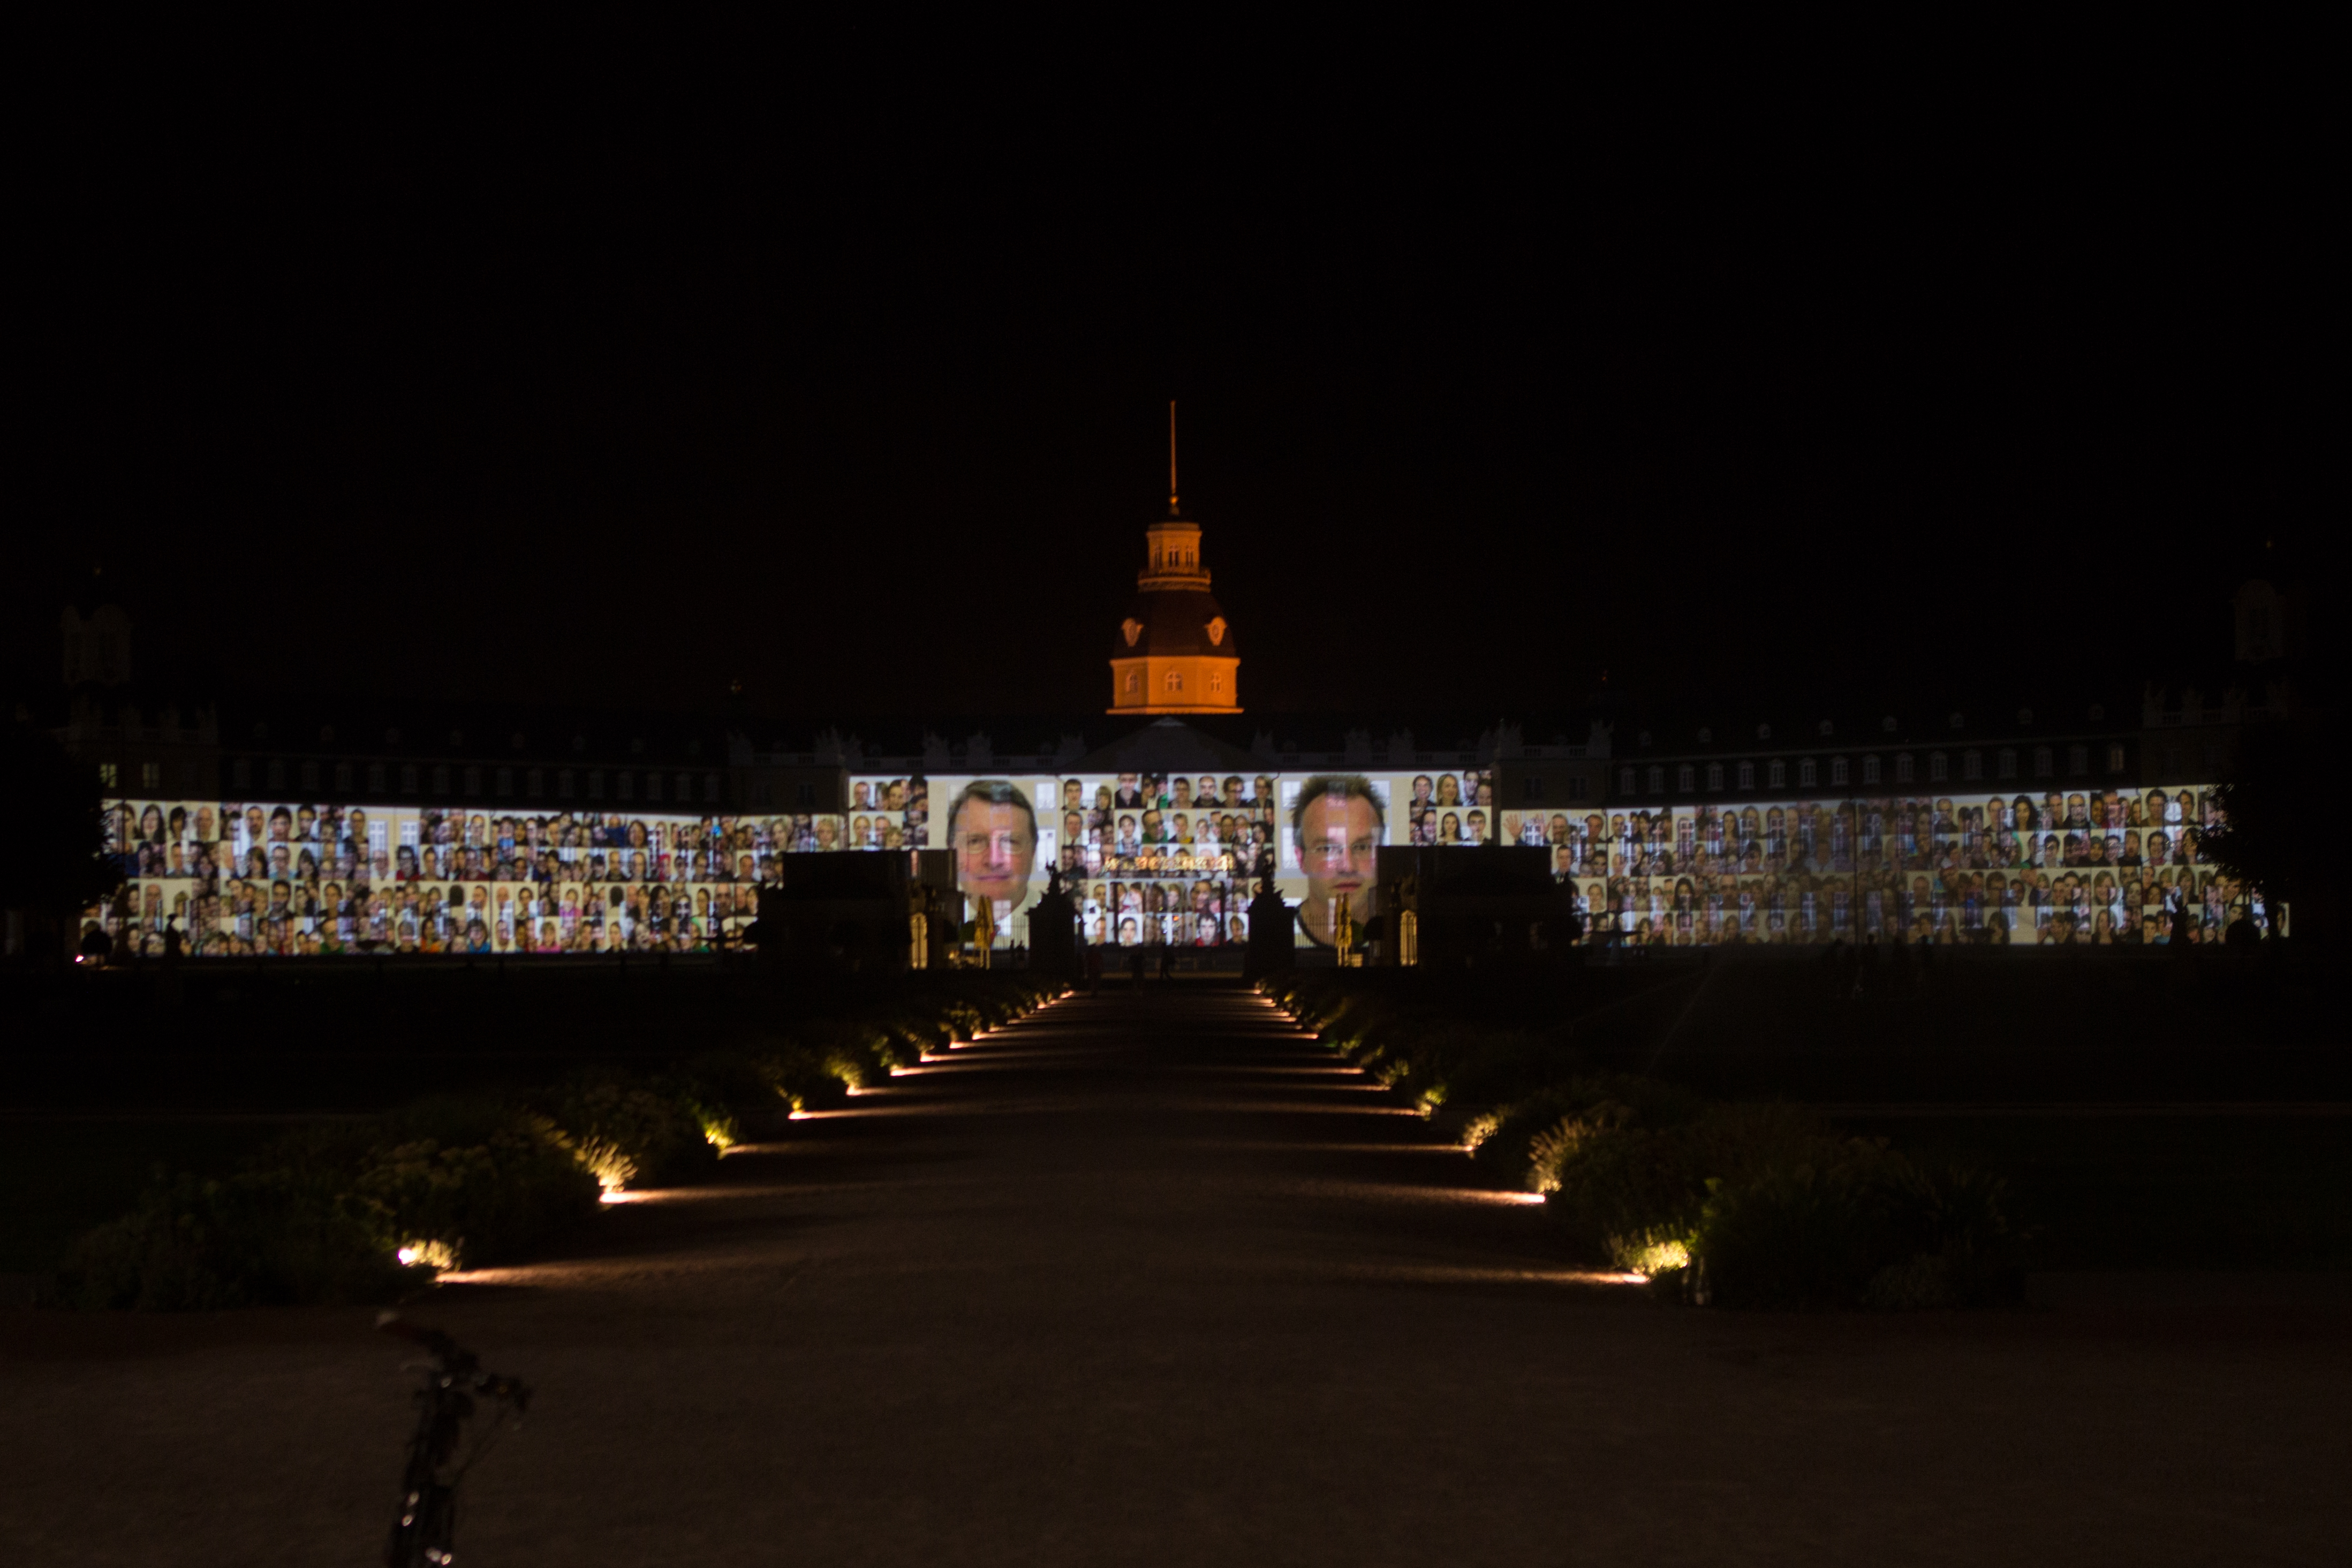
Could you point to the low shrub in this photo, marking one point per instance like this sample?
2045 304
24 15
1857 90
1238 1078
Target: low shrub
264 1238
474 1195
1760 1205
326 1214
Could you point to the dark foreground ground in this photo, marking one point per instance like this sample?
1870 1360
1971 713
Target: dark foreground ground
1148 1280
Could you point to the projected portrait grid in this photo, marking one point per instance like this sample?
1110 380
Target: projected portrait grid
1164 859
292 878
2096 866
887 812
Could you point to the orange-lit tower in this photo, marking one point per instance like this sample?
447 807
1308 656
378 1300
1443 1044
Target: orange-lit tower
1175 651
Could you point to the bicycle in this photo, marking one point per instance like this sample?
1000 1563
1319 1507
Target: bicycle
424 1532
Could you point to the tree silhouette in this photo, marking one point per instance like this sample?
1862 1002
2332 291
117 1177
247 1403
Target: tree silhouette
2270 810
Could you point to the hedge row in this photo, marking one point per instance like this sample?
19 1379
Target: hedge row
1760 1205
363 1211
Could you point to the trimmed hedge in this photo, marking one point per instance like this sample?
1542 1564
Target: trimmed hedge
1761 1206
363 1211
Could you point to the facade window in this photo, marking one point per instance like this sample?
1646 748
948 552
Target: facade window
653 787
1870 769
1657 779
807 795
1972 765
1903 767
2009 762
1777 774
563 782
597 785
342 778
1685 778
1532 789
1938 768
1714 775
1625 781
276 773
240 775
625 785
440 778
376 778
2115 758
685 788
151 775
1837 771
408 778
506 781
534 783
1575 785
2078 760
309 776
2042 762
1806 774
473 781
710 787
1748 776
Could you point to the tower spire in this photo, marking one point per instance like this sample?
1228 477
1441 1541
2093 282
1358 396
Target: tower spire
1172 457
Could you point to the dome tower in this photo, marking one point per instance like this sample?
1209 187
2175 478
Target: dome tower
1175 652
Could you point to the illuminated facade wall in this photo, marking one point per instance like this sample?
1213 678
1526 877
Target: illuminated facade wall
292 878
1168 859
1160 860
2097 865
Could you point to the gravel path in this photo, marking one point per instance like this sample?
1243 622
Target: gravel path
1146 1279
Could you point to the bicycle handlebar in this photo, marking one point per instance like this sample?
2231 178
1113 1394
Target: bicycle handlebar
456 1360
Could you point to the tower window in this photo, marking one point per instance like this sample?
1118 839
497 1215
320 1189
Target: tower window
1134 681
1174 681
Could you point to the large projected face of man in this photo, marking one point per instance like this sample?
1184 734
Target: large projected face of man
1338 821
993 830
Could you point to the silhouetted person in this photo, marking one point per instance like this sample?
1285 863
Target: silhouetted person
2180 928
1093 967
1135 964
171 939
1167 961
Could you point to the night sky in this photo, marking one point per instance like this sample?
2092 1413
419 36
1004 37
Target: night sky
621 371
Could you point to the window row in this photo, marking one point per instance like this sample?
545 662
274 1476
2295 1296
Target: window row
1841 771
534 782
